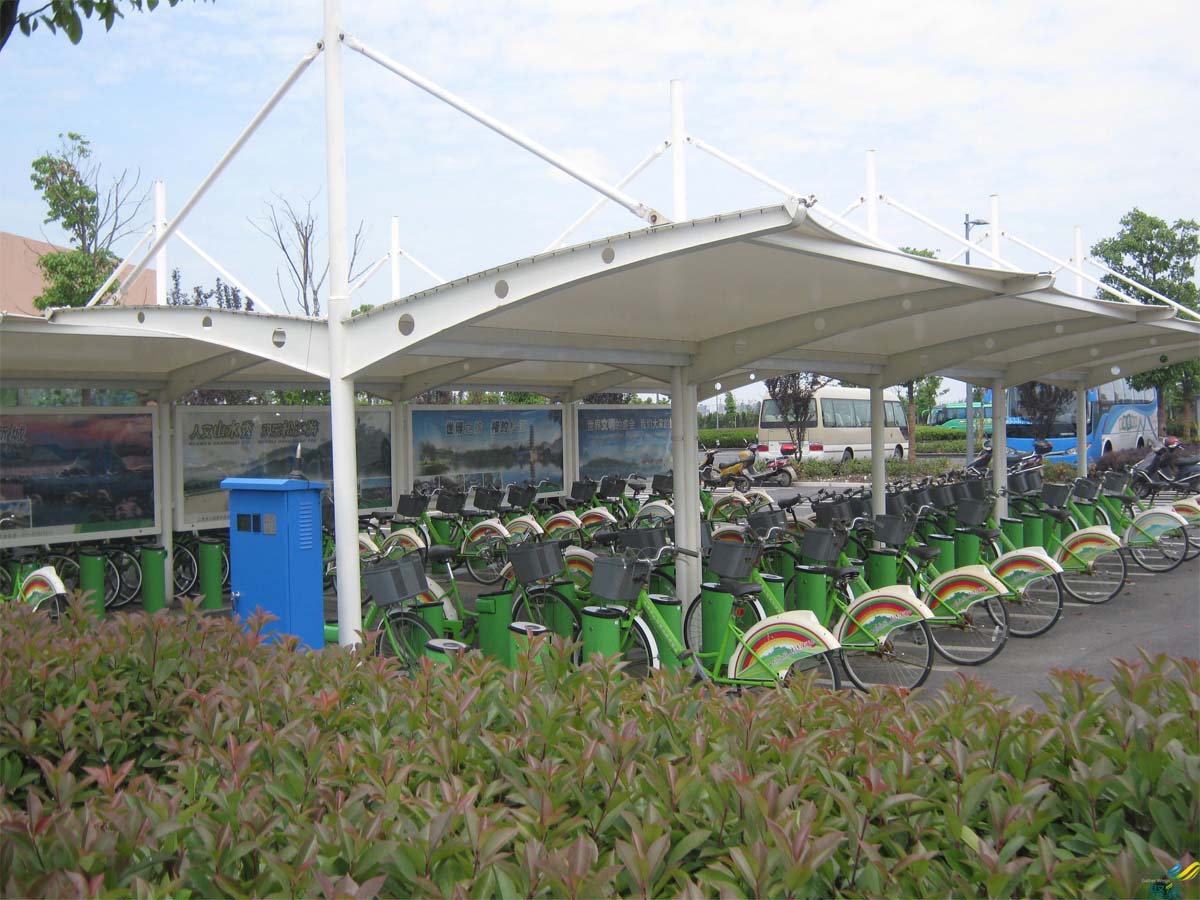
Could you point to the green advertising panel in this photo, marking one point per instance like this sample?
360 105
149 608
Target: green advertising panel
73 473
618 440
260 442
493 446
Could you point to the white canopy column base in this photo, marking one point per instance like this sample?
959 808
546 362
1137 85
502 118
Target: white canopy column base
1000 446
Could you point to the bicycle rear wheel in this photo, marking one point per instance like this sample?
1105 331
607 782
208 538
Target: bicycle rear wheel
1036 609
1101 582
820 669
975 636
746 613
486 554
904 659
185 569
403 637
1162 554
129 574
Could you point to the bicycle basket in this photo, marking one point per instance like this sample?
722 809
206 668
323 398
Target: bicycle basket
942 495
611 487
1085 489
486 499
1115 483
733 561
976 488
583 491
919 497
614 578
830 511
643 538
861 506
395 581
892 530
764 520
450 502
961 490
662 485
1034 480
1018 482
1056 495
896 503
411 506
973 512
822 545
520 497
534 561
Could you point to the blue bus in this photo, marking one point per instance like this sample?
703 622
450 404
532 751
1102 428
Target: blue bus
1119 418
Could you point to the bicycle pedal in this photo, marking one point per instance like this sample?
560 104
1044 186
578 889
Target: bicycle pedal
469 623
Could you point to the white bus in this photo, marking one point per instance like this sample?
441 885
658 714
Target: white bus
839 426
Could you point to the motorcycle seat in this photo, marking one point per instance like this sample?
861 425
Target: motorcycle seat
1184 462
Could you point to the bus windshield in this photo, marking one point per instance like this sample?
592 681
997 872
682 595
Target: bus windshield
769 417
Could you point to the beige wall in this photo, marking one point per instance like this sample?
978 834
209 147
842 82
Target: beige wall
21 279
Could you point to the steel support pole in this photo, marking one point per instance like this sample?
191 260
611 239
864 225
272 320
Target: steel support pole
341 389
1081 408
994 218
1000 446
394 255
160 259
678 160
1078 260
970 419
165 466
687 486
878 458
872 195
570 443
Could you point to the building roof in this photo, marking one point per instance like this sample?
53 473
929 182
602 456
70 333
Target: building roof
21 279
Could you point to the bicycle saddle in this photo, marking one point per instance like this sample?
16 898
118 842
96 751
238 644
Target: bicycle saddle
837 573
986 534
1061 514
441 553
788 504
740 588
924 552
606 537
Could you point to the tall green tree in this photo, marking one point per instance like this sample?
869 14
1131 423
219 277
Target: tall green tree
794 394
927 392
94 218
1160 256
67 15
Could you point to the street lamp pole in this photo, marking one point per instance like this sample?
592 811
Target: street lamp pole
968 224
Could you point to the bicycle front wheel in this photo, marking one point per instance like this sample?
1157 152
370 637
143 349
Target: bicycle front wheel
129 572
185 569
1036 608
1162 553
551 608
403 637
974 636
820 668
904 659
1099 583
639 649
745 614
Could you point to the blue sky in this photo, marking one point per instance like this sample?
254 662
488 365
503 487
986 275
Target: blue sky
1073 112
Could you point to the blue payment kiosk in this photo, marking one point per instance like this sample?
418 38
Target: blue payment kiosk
275 553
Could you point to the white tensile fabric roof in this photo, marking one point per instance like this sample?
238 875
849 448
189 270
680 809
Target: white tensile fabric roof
730 298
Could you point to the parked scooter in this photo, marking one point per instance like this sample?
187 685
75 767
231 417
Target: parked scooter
778 471
1018 461
735 472
1165 468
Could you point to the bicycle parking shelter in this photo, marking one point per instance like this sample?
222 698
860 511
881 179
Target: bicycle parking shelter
690 309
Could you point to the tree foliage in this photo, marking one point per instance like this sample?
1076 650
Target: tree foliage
1043 405
93 217
1160 256
68 15
793 394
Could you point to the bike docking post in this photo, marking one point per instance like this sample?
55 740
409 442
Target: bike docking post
1032 531
495 615
944 544
671 611
881 567
1014 531
601 631
432 613
153 559
775 585
716 608
91 577
445 651
210 573
966 547
528 639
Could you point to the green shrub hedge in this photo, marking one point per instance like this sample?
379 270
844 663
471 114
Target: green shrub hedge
822 470
735 438
930 433
181 755
956 447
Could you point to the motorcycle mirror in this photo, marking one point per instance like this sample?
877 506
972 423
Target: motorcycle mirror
718 442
